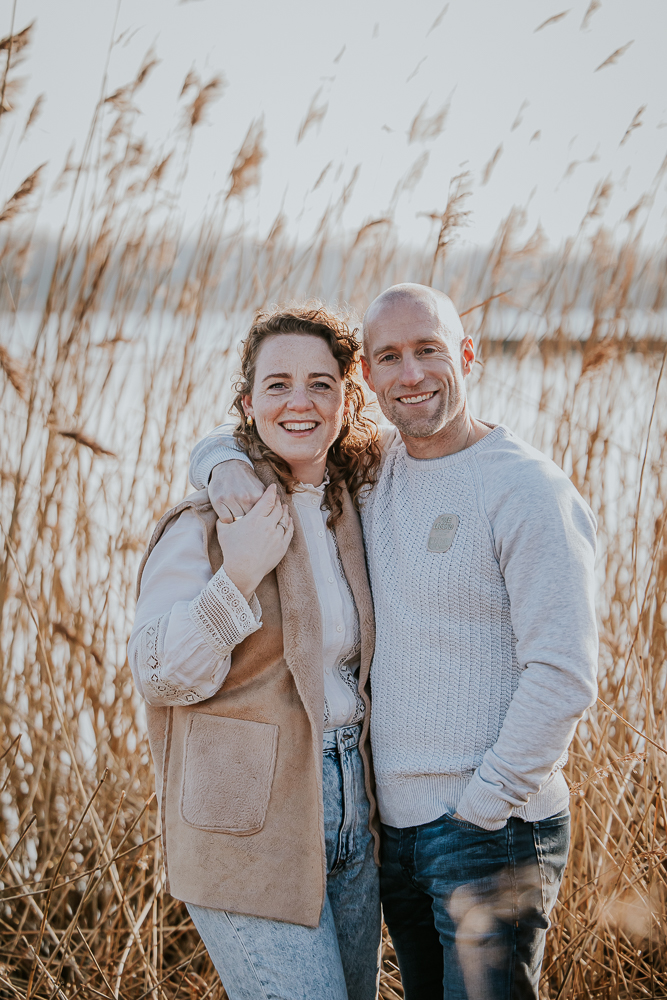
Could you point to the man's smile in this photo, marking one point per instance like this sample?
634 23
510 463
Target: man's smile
417 399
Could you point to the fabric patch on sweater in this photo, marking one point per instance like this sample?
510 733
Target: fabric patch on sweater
442 533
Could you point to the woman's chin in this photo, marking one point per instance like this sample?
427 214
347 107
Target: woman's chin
302 456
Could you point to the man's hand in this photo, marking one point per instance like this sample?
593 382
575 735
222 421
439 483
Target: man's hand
254 545
233 489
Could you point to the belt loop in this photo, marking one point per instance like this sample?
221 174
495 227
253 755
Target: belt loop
343 738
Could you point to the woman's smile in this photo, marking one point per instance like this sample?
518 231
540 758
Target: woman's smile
302 428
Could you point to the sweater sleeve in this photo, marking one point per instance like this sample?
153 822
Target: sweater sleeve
544 536
188 620
219 445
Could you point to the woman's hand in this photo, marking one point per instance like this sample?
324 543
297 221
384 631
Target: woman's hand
254 544
234 489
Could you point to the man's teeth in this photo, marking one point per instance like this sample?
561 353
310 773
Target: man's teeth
299 427
416 399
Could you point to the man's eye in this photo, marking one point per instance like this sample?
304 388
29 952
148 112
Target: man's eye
389 357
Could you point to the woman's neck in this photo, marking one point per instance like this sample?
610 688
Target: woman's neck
312 473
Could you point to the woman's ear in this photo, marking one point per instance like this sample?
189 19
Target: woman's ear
246 402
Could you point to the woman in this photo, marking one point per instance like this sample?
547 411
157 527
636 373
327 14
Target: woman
252 647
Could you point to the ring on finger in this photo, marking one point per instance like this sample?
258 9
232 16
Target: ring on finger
282 525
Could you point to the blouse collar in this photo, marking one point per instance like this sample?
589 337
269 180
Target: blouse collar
311 491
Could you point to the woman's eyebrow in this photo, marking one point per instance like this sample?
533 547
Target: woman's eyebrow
289 375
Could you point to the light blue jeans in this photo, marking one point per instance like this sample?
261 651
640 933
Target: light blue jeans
261 959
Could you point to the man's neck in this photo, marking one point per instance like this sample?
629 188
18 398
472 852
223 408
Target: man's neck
457 435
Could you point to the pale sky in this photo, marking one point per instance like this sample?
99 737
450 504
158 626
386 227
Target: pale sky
373 63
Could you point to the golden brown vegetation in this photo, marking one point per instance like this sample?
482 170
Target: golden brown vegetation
116 353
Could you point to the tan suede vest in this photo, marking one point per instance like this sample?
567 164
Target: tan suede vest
239 775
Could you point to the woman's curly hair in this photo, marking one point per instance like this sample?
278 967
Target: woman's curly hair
354 457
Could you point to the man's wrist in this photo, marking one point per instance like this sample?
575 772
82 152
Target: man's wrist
208 481
200 472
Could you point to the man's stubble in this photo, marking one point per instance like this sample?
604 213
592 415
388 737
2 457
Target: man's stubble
419 427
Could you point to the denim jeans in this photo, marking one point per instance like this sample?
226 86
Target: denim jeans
468 909
261 959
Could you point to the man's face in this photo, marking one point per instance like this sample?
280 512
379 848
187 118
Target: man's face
416 368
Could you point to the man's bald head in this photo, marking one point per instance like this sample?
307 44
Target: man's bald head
430 303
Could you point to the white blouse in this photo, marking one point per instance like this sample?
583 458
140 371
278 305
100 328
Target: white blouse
188 620
341 636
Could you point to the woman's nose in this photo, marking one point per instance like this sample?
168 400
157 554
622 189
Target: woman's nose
299 400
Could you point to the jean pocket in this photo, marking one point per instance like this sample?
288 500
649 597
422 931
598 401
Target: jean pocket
552 842
463 824
228 772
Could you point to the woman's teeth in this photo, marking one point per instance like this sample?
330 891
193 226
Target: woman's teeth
300 427
416 399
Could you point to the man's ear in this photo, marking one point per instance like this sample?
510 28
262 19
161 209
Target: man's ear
366 372
467 355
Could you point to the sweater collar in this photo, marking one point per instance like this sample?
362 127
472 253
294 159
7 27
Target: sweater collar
498 432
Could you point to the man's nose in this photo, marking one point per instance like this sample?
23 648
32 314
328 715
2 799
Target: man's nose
411 372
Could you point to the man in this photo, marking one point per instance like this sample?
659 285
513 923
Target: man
481 558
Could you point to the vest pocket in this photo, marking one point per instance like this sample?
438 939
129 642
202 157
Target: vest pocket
227 773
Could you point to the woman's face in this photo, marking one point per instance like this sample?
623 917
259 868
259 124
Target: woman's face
297 402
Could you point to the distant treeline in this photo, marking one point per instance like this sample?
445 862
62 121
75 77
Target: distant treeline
538 282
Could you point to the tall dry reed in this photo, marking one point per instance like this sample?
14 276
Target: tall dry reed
117 345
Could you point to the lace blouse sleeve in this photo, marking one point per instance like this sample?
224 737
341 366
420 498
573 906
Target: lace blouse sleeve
188 621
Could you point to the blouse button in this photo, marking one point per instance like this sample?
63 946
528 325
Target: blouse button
330 579
314 501
339 628
320 534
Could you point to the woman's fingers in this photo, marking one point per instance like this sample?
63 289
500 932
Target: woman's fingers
266 503
275 514
283 521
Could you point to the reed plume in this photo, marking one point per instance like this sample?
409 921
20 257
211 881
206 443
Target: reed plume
124 332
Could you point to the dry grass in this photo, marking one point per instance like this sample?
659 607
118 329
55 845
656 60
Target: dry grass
116 354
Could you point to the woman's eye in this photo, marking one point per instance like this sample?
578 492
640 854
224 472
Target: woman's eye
321 385
277 385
